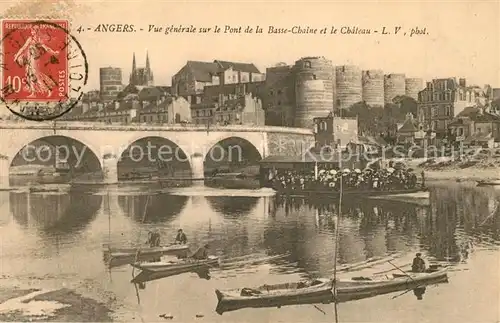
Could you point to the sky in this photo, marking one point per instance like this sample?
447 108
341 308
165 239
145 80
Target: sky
462 38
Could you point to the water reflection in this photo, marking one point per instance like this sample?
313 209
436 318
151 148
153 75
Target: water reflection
160 208
54 214
458 222
232 206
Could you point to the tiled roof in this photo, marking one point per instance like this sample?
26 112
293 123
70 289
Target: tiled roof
460 121
467 111
151 92
153 107
242 67
410 125
476 114
203 71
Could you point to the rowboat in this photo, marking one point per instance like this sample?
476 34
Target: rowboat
489 183
160 269
306 292
124 256
321 291
363 287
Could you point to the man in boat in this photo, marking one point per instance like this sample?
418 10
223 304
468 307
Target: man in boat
418 265
181 237
150 240
201 253
153 239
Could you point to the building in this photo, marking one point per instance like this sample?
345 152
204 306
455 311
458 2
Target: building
110 80
170 110
230 104
440 101
95 111
475 126
193 77
279 96
141 76
412 132
334 132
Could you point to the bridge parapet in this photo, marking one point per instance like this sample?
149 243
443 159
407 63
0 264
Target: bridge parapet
195 141
70 125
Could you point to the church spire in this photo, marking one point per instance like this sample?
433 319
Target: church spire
147 61
133 72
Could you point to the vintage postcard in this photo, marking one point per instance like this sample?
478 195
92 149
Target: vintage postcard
249 162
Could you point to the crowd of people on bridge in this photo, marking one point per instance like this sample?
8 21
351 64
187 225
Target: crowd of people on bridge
390 178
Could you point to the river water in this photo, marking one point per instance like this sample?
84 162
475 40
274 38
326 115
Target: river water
56 240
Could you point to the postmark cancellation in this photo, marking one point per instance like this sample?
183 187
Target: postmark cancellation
44 68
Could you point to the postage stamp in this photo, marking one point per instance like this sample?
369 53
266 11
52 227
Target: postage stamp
44 68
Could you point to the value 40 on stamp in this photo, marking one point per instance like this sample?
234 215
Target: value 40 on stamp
44 68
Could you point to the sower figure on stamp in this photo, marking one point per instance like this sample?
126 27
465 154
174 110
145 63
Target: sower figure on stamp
29 56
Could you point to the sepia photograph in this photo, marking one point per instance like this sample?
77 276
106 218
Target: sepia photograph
249 161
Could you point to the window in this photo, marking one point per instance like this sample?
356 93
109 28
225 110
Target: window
323 126
271 92
307 64
279 92
314 76
279 102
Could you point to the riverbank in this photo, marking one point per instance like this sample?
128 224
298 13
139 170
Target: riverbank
465 174
60 305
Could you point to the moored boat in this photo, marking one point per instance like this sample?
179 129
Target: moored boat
152 270
124 256
321 291
361 287
305 292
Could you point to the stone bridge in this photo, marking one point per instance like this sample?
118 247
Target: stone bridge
108 142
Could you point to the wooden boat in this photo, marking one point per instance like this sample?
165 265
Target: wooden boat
495 182
307 292
362 287
153 270
347 193
124 256
321 291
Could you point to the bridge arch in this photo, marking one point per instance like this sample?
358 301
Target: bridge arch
63 152
27 138
151 155
232 151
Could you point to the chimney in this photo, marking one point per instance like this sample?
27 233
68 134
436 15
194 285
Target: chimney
462 82
429 85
